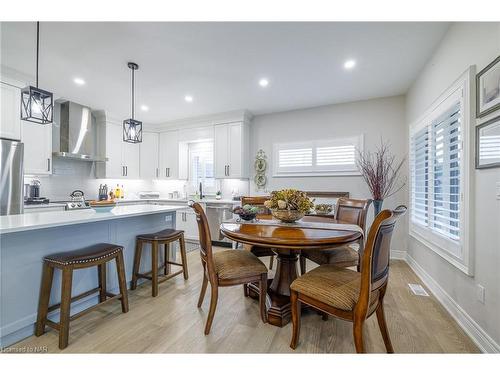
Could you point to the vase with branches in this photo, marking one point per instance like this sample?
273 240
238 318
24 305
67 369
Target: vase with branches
381 172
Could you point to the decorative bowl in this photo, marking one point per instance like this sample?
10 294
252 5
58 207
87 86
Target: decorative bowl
102 206
247 217
287 216
323 209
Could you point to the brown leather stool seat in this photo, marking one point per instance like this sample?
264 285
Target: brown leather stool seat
163 235
84 255
162 238
91 256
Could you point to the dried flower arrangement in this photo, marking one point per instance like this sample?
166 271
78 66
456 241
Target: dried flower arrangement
291 200
380 171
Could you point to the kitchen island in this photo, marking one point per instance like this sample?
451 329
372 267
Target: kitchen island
26 238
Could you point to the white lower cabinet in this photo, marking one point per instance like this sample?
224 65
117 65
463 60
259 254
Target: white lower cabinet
37 141
186 221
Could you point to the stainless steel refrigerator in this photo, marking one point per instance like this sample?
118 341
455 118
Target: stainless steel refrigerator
11 177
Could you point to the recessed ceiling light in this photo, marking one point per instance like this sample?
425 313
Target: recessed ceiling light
144 108
79 81
349 64
188 98
263 82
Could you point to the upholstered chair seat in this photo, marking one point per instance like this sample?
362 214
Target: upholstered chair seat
234 264
336 286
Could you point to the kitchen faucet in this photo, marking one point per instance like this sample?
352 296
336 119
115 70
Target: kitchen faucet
201 191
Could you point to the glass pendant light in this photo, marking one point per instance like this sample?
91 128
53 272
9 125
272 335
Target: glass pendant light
36 104
132 129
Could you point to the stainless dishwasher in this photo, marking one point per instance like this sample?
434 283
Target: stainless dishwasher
216 214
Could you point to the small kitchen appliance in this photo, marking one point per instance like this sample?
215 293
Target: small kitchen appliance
77 201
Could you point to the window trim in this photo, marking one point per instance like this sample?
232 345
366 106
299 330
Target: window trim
436 242
314 144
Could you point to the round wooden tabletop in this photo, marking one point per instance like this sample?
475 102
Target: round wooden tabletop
289 237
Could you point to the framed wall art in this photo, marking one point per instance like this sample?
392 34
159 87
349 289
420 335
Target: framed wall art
488 89
488 144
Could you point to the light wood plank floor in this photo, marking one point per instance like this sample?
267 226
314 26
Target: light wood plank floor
171 323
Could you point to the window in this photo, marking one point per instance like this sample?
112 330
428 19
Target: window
439 176
317 158
201 165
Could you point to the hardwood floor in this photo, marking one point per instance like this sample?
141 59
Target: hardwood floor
171 323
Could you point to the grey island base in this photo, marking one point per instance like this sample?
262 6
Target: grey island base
25 239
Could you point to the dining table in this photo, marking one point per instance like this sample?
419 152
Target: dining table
287 241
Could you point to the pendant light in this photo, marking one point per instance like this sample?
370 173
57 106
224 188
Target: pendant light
132 129
36 104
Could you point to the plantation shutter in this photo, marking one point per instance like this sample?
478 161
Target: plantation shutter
320 157
446 149
435 167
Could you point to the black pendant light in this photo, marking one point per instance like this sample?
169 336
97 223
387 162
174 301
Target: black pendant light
36 104
132 129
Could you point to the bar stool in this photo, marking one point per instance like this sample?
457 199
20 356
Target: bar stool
164 237
95 255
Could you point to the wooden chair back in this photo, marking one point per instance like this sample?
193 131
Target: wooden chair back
205 239
375 260
258 201
353 211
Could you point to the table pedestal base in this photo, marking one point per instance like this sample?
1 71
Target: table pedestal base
278 291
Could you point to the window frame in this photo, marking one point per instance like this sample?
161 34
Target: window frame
192 185
458 253
315 170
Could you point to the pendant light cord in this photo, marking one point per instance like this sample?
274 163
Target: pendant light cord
133 93
37 49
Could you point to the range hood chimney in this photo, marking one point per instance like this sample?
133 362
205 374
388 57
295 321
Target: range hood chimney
77 133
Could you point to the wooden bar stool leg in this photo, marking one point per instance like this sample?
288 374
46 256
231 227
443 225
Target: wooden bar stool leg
137 263
120 268
154 264
183 257
67 280
43 303
166 256
101 270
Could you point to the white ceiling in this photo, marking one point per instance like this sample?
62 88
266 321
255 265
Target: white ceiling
220 64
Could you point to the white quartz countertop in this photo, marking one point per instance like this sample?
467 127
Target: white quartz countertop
40 220
180 200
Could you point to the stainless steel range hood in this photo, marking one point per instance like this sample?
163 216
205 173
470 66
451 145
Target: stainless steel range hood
75 136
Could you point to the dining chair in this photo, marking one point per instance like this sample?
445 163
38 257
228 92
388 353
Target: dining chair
264 213
353 211
226 268
348 294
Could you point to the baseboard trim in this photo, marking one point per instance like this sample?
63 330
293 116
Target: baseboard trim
484 342
398 254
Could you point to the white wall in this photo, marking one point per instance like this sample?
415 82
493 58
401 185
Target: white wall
465 44
374 118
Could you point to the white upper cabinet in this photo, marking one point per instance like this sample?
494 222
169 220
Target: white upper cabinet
10 125
131 159
169 155
37 141
232 150
123 157
149 156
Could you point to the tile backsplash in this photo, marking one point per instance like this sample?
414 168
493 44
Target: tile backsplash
69 175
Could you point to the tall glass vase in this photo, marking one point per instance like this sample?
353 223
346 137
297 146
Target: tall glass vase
377 206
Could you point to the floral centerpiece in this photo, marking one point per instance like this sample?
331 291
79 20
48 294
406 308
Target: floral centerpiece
289 205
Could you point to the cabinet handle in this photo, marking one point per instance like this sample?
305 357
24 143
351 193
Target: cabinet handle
126 171
48 165
228 170
156 172
123 171
225 170
166 174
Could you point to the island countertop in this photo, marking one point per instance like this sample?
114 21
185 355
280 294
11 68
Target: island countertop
32 221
